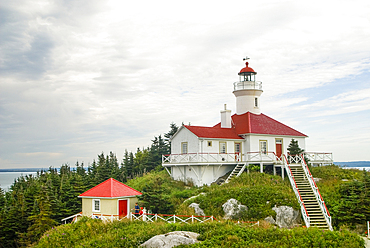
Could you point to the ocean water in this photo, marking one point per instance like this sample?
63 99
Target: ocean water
359 168
7 178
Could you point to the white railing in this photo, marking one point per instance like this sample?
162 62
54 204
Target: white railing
70 217
248 85
250 157
304 212
316 192
106 217
319 157
201 158
172 218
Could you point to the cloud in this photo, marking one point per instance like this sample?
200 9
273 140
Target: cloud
77 79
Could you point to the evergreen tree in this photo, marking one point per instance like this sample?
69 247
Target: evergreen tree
168 136
155 199
294 148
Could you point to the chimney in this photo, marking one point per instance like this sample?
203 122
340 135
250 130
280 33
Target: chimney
225 118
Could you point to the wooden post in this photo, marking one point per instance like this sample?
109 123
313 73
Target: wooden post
144 214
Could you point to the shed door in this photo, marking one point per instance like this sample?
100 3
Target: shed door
122 208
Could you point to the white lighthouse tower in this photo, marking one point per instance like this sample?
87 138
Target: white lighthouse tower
247 91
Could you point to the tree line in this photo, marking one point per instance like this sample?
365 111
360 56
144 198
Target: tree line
35 204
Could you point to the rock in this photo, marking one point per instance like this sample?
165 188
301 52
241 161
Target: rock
270 220
171 239
233 209
197 209
286 216
195 196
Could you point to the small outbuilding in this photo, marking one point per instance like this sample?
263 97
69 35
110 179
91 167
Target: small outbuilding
111 199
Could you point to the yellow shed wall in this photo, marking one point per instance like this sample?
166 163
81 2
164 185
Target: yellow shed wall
107 206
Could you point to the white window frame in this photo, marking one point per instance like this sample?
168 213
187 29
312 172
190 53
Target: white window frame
93 205
186 150
222 148
263 148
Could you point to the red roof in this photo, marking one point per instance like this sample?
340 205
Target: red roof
247 69
110 188
214 132
247 123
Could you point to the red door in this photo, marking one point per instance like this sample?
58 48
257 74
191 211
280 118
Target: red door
279 147
122 208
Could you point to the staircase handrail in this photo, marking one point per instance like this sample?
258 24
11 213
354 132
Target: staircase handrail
316 192
305 215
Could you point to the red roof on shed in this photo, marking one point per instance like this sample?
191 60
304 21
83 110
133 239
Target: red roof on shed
110 188
247 123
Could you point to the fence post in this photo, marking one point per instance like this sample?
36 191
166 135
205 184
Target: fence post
368 229
156 216
192 218
144 214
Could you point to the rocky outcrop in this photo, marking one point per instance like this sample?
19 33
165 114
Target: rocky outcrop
270 220
197 209
286 217
233 209
195 196
171 239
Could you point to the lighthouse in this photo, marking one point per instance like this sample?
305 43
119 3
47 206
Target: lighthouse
247 91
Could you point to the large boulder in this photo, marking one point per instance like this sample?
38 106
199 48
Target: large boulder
171 239
286 217
233 209
197 209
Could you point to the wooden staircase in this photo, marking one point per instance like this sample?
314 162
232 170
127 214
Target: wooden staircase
237 171
317 218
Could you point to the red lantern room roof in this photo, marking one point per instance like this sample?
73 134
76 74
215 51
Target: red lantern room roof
247 69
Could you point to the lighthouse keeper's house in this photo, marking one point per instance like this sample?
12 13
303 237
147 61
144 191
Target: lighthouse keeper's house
203 154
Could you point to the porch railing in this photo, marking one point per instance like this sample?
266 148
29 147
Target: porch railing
249 157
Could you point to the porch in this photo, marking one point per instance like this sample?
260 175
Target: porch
315 158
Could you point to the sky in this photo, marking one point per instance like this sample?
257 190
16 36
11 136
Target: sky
78 78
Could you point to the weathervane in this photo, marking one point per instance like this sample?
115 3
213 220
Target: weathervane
246 58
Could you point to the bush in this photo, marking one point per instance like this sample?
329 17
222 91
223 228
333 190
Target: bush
94 233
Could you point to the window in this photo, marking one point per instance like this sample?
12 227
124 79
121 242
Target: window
222 147
96 205
238 147
263 146
256 102
184 147
209 143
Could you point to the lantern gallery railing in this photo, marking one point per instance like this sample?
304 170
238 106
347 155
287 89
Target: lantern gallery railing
250 157
248 85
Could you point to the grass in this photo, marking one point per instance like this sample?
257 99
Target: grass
95 233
